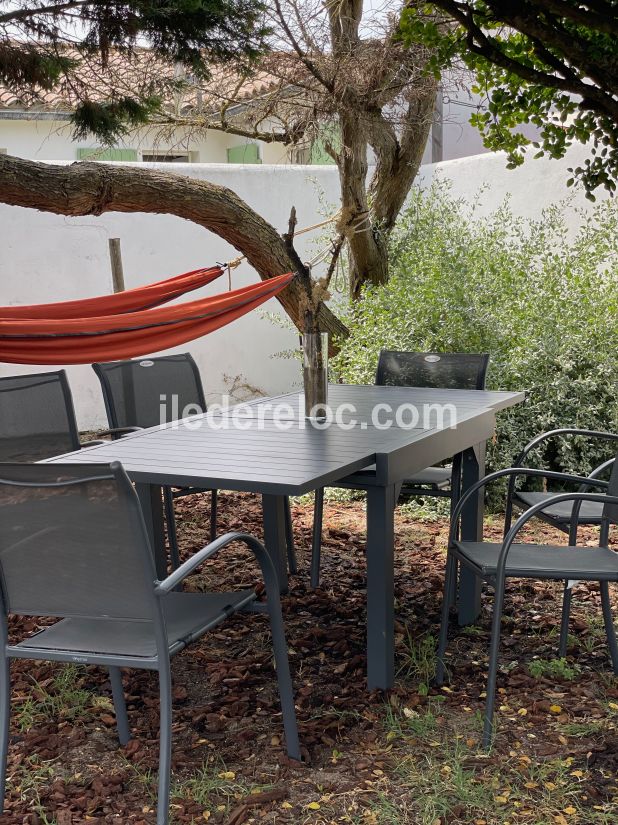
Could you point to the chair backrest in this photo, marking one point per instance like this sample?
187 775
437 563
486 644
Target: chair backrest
441 370
37 418
146 392
73 543
610 511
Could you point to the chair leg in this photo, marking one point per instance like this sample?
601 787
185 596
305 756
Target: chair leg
567 598
449 585
5 715
316 543
165 744
214 498
289 538
284 680
454 498
170 523
122 721
494 651
609 626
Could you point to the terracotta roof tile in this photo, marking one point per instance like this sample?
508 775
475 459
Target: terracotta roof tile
142 71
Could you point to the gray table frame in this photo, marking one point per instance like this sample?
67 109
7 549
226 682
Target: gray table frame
371 459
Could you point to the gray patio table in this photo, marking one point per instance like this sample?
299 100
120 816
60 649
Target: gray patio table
246 449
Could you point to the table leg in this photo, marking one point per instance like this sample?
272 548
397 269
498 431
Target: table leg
473 469
151 500
380 587
274 513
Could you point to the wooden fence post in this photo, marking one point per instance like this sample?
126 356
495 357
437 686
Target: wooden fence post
115 257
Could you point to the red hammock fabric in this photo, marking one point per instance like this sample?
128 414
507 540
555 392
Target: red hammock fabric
132 300
115 337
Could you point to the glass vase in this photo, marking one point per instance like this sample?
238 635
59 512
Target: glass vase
315 373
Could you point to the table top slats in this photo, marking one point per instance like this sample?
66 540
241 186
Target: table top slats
261 457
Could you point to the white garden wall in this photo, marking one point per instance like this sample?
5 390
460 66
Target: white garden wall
50 258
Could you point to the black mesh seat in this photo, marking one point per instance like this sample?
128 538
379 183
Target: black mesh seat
37 417
147 392
591 512
565 516
543 561
453 370
74 547
187 617
495 562
438 477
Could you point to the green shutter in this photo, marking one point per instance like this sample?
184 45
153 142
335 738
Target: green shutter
329 133
107 154
247 153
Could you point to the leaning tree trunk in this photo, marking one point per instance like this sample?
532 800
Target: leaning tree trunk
368 262
95 188
369 217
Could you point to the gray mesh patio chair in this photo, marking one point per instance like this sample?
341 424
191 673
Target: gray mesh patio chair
565 516
495 562
74 546
444 370
146 392
37 417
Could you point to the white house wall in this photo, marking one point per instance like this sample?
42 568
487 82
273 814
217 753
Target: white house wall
52 140
46 258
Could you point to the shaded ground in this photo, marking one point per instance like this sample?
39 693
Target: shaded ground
410 757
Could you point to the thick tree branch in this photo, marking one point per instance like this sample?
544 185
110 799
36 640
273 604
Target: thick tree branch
481 44
605 22
95 188
393 178
197 123
549 30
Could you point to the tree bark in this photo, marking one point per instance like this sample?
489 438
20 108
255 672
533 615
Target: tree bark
369 215
398 159
95 188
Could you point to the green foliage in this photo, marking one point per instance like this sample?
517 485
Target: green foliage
23 64
62 698
45 46
553 669
110 121
543 303
533 64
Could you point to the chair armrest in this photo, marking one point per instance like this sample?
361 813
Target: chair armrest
515 471
555 434
180 574
519 460
598 471
118 432
537 508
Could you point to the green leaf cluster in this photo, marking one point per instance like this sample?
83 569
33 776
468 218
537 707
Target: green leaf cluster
501 59
540 297
44 46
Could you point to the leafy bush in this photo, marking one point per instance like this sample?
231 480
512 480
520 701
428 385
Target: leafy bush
541 300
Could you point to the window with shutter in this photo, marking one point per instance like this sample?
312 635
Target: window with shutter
247 153
100 153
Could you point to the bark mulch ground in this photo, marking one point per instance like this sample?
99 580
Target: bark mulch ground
412 756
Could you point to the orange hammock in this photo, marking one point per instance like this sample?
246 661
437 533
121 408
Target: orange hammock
79 340
142 297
